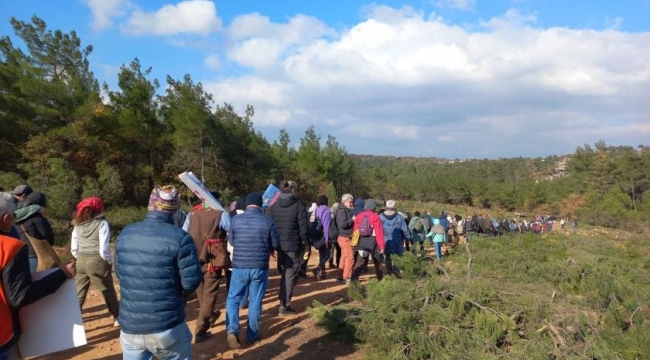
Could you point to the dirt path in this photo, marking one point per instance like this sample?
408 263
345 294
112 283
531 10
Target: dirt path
292 338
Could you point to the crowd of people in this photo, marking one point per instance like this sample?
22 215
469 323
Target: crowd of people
171 256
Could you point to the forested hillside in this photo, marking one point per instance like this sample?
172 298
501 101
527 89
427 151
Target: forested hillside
62 137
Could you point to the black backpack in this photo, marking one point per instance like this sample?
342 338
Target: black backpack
334 229
316 229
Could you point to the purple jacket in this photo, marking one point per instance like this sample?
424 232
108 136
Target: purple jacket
323 213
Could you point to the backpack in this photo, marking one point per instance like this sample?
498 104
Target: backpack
316 229
460 227
513 226
426 221
393 235
334 229
438 229
365 228
417 224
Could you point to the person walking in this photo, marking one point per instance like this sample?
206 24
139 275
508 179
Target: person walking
90 246
254 237
335 254
206 229
291 219
396 233
345 224
158 267
418 232
322 212
371 240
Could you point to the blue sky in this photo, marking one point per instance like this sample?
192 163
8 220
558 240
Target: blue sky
447 78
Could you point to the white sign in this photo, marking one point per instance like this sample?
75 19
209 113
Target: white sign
53 323
197 187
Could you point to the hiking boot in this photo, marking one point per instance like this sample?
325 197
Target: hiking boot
233 341
288 311
201 337
213 319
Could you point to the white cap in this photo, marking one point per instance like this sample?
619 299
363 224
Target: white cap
313 207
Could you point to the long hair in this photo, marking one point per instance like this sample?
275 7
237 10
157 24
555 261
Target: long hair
84 215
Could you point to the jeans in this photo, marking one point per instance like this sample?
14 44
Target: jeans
438 246
253 281
244 302
172 344
33 263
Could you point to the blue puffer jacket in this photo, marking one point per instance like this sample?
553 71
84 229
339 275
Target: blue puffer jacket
253 236
156 263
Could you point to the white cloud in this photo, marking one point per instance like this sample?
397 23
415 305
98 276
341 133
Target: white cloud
212 62
419 85
257 42
185 17
456 4
104 11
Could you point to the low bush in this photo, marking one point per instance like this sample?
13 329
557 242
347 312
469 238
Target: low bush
526 297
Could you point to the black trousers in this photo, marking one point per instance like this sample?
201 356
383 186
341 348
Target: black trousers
291 262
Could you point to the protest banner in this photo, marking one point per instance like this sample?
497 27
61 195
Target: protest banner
197 187
270 196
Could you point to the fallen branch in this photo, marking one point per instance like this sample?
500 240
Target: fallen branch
553 322
469 262
559 340
426 302
441 269
553 296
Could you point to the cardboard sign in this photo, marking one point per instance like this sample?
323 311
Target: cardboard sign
53 323
197 187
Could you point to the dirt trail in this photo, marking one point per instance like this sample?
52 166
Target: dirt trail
293 338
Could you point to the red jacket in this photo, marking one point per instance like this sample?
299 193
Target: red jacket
375 221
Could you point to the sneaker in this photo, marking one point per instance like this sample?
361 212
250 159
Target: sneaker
201 337
288 311
340 280
233 341
213 319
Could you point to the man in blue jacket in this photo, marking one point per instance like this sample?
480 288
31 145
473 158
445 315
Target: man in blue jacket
157 265
253 237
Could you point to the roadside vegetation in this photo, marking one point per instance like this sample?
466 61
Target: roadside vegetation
521 297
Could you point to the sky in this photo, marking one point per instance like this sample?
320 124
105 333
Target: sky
445 78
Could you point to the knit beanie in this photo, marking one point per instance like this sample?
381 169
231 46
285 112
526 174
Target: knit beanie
164 199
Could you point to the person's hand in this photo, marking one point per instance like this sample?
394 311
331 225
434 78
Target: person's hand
69 269
273 254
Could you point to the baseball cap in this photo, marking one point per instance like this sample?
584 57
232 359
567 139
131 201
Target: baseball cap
22 190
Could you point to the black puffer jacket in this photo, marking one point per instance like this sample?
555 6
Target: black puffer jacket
292 221
30 218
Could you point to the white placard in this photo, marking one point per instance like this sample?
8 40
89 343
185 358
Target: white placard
53 323
197 187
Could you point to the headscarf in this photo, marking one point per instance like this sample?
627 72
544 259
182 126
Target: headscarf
94 203
164 199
